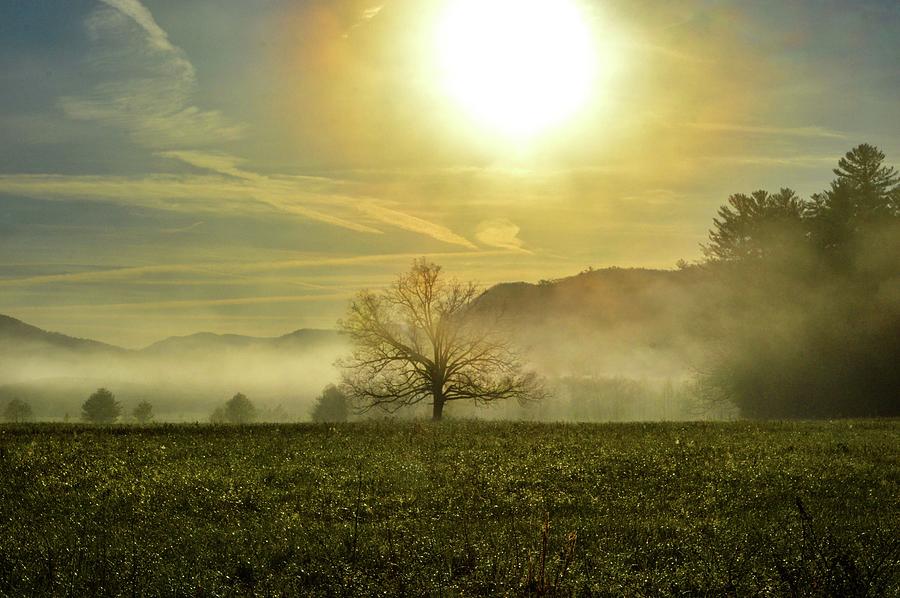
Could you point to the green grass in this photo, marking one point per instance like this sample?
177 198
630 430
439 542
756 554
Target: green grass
452 509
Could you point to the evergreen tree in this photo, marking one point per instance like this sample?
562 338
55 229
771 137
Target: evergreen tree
864 196
875 185
755 226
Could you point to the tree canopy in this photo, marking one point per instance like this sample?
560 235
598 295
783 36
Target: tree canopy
143 412
754 226
809 325
17 411
238 410
875 185
101 407
331 406
414 341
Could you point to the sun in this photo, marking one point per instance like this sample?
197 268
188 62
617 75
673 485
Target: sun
516 66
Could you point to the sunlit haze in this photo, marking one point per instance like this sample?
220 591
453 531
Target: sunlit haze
517 66
246 167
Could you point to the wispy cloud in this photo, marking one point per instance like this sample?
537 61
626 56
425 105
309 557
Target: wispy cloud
813 132
367 15
140 15
182 229
242 192
760 160
189 303
413 223
236 268
147 83
500 233
215 162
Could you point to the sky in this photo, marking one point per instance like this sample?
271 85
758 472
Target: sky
171 166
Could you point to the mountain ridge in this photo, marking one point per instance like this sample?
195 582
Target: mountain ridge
15 329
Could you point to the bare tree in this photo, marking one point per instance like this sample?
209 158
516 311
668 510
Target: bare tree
416 340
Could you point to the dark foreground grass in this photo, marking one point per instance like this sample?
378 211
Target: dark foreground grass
452 509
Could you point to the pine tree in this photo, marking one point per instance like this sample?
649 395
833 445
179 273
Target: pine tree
875 185
755 225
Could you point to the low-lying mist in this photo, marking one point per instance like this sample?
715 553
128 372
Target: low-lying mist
184 379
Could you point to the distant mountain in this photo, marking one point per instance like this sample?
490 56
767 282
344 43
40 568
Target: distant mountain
184 377
303 339
614 321
614 294
16 333
608 298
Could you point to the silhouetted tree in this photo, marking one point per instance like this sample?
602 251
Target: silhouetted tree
414 342
331 406
143 413
101 407
754 226
875 185
814 334
864 197
239 410
17 411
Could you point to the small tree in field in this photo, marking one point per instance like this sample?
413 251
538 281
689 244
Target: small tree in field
331 406
239 410
415 341
218 415
17 411
143 413
101 408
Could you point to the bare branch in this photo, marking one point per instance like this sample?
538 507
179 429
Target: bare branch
416 340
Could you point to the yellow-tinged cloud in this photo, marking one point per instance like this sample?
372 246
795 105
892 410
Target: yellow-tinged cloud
198 194
236 268
500 233
188 303
819 132
413 224
214 161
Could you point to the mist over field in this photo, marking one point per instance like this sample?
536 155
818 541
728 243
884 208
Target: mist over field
184 378
613 345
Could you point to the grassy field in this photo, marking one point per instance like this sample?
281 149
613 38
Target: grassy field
460 508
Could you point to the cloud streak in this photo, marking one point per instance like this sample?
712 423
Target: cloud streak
140 15
235 268
233 195
147 83
500 233
413 224
191 303
810 132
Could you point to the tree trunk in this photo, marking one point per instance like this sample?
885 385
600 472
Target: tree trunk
438 410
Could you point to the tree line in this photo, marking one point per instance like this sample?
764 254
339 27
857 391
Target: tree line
807 319
102 407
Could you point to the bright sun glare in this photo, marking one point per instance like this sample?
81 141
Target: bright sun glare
517 66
